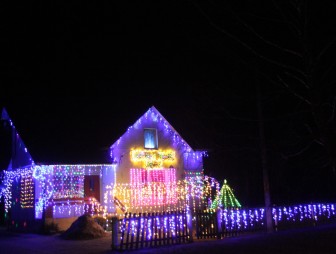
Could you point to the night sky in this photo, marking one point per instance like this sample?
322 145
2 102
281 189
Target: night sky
75 75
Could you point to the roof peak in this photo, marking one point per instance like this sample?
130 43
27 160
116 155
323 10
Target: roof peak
4 114
20 156
157 117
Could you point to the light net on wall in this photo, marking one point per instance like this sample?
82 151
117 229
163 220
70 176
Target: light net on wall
27 190
163 194
68 182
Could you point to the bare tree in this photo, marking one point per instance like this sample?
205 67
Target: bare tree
293 44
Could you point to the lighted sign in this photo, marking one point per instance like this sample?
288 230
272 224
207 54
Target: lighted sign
152 158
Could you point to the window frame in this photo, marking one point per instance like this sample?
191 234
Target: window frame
152 132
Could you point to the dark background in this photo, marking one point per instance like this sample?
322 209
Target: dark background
76 74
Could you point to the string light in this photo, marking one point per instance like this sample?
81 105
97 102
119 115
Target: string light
152 158
153 116
252 219
226 198
27 190
144 195
153 187
168 224
21 176
58 186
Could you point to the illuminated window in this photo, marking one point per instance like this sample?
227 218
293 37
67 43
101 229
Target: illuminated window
150 137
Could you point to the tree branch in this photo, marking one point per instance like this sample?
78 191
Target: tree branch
252 30
325 49
298 79
245 45
299 152
237 117
292 91
291 24
332 116
331 67
319 142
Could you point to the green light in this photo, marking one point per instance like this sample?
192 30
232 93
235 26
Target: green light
225 199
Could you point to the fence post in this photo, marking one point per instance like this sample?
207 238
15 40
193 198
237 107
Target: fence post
313 215
115 243
219 223
190 225
275 218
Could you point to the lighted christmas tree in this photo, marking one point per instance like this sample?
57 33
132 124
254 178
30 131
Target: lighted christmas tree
225 199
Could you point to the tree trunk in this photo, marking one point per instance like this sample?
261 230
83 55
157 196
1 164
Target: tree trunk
267 194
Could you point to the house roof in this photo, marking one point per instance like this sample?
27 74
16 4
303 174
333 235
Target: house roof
20 157
156 116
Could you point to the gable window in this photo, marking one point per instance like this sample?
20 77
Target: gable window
150 138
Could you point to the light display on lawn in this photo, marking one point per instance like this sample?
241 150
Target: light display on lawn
226 199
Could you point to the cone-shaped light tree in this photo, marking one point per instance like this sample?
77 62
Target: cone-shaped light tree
225 198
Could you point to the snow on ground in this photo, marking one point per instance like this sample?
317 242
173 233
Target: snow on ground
320 239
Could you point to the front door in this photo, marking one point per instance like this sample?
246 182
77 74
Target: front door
92 186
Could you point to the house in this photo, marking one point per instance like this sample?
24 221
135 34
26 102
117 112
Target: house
151 162
152 169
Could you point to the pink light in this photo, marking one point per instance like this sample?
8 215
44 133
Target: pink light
153 187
